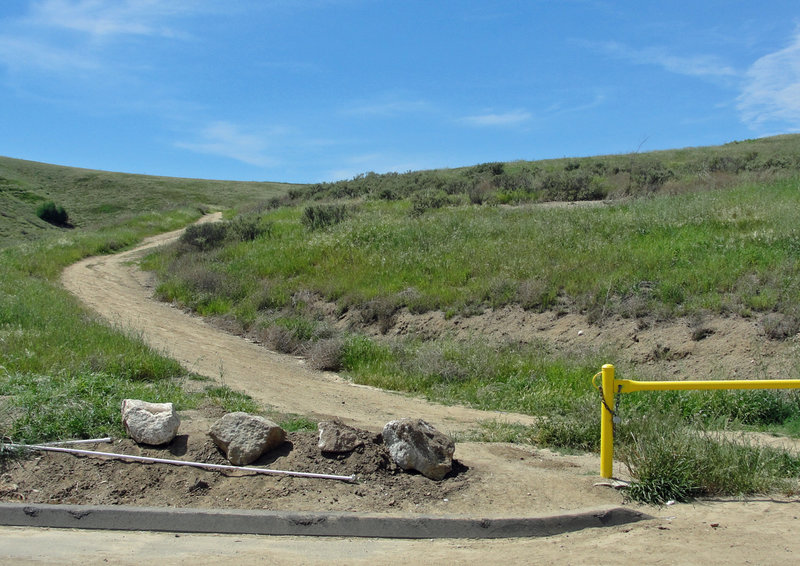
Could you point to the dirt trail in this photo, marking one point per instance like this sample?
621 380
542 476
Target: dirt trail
122 294
509 480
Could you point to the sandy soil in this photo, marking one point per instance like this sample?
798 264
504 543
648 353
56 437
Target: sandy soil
489 479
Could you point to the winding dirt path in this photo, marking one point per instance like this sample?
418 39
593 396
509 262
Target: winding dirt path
115 288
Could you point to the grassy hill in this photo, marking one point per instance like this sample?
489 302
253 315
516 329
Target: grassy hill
95 199
574 179
661 236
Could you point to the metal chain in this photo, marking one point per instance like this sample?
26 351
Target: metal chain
615 418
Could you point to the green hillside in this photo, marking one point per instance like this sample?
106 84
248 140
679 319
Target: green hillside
94 199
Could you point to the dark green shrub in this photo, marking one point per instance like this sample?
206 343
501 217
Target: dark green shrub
650 176
206 236
494 168
573 185
427 200
247 229
52 213
320 216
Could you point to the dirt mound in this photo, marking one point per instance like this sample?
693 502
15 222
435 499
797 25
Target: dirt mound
380 485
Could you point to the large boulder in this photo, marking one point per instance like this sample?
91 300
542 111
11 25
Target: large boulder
338 438
413 444
244 437
150 423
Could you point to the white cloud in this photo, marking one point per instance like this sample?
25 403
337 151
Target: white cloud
491 119
770 96
22 54
694 66
230 140
66 35
101 18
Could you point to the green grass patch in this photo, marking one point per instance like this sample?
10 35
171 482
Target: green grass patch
69 405
296 424
230 400
730 251
669 460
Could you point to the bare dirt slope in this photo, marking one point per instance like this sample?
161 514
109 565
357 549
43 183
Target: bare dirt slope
492 480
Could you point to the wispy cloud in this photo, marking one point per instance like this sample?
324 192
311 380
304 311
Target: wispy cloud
492 119
20 53
226 139
106 18
64 35
694 65
770 96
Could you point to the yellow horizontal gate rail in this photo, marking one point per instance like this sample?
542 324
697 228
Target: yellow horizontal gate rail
610 386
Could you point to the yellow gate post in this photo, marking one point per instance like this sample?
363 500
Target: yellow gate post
607 423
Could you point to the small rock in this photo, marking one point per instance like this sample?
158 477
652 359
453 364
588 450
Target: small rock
244 437
150 423
413 444
338 438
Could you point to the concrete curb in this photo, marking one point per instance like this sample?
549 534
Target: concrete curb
373 525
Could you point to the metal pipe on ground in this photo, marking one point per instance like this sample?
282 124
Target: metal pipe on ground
203 465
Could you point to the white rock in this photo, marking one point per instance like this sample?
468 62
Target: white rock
150 423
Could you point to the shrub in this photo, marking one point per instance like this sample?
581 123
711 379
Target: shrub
572 185
326 354
320 216
206 236
247 229
427 200
52 213
480 191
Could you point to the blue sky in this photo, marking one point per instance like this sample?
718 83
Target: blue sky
319 90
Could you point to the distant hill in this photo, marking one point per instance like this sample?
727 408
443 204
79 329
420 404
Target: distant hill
98 198
94 199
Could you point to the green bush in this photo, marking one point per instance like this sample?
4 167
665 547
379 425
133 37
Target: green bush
52 213
206 236
427 200
320 216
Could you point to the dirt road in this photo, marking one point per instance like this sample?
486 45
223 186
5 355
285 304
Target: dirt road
758 531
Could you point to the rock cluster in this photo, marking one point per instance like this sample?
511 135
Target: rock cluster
412 444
